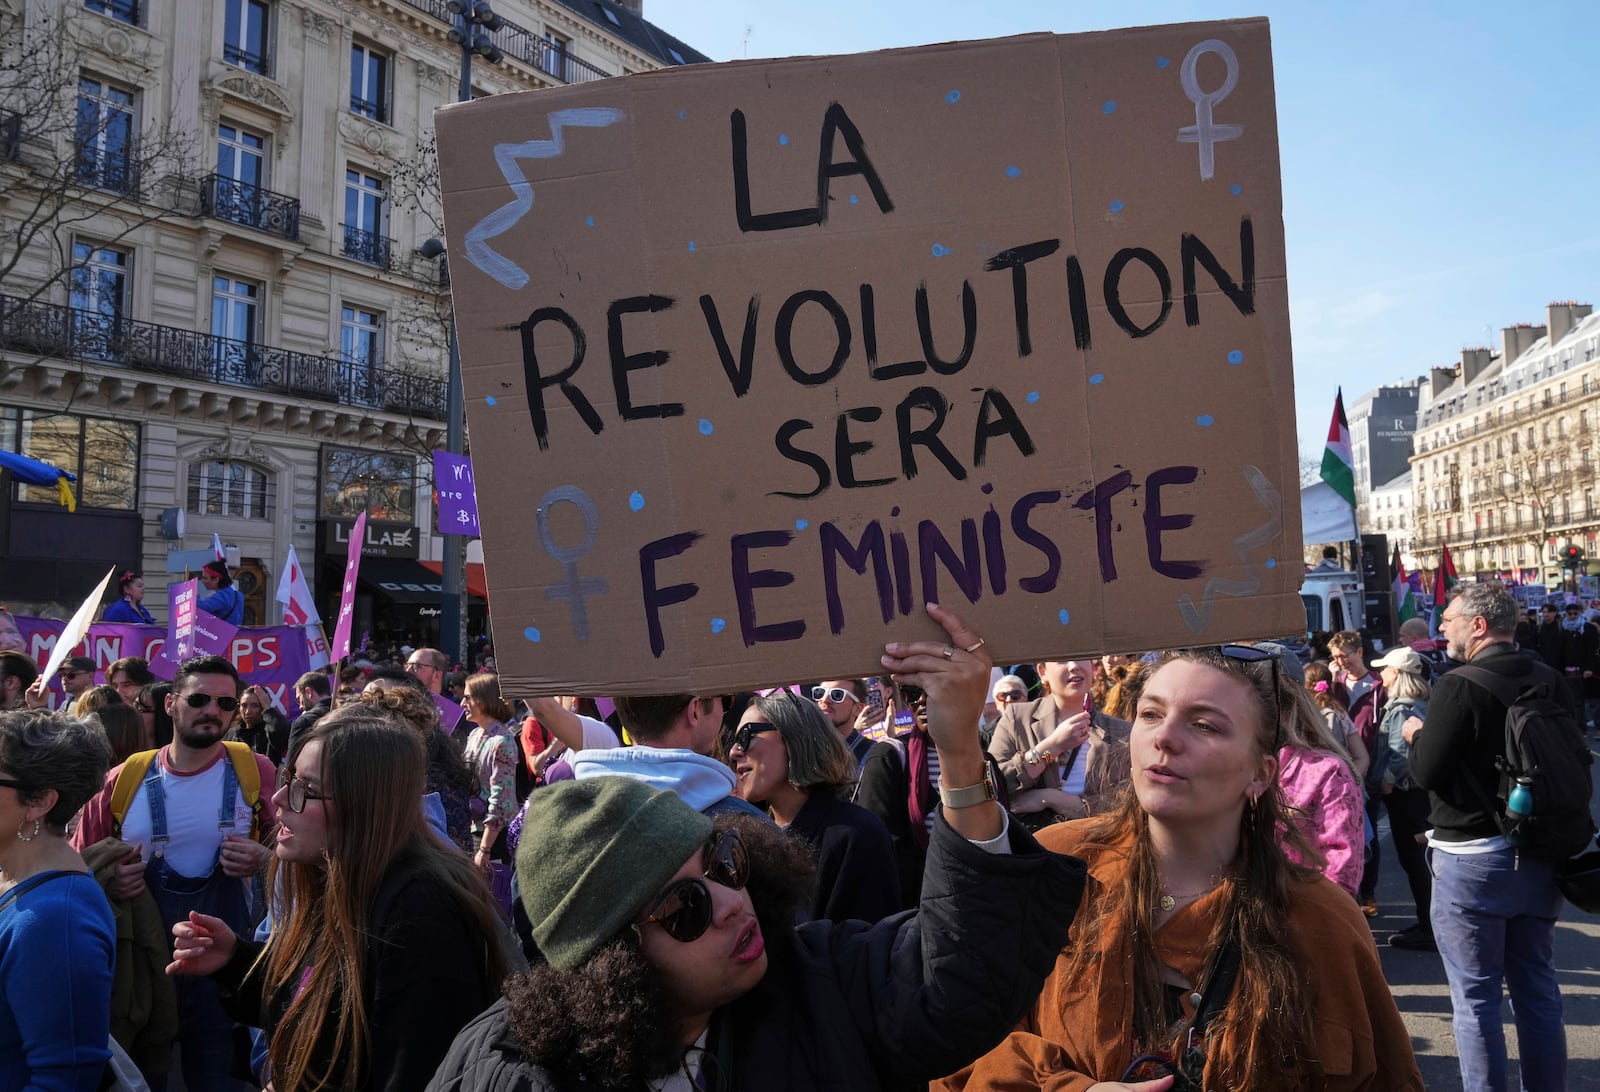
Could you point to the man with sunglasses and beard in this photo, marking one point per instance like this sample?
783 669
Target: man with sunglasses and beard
191 814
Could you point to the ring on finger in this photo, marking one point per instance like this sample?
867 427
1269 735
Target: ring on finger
975 646
947 652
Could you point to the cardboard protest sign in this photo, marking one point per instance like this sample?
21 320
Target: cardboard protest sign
760 356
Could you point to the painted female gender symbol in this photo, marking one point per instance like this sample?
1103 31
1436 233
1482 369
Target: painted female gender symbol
575 589
1204 131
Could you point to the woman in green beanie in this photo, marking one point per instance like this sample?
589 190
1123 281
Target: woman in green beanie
673 964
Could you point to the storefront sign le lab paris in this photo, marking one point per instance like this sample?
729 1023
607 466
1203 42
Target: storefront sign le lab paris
383 538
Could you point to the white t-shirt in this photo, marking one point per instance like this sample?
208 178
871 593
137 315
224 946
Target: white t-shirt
195 825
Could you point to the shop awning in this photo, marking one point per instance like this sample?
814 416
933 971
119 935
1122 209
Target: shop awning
477 584
402 581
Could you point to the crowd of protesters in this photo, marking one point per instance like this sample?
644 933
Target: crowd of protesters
854 883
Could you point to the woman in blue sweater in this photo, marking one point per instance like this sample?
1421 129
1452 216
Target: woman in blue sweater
130 607
222 598
57 937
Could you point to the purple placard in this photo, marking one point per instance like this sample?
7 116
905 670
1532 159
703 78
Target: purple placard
347 597
458 502
449 713
272 657
183 603
212 635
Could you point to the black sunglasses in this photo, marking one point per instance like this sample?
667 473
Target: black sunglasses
684 909
835 694
1250 654
200 701
747 732
913 695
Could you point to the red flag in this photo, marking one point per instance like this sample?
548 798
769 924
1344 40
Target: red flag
1444 578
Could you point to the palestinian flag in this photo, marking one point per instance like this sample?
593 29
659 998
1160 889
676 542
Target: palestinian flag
1405 607
1338 468
1444 578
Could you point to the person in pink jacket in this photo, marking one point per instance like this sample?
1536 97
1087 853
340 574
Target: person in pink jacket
1319 784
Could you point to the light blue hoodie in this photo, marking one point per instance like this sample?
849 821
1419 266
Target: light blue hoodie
703 783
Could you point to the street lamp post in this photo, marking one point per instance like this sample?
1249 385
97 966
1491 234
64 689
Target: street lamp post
474 23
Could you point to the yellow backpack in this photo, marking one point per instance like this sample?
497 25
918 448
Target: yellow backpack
138 765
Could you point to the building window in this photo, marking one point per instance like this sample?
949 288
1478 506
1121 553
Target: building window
369 82
235 329
361 347
124 11
244 35
365 218
222 487
381 484
106 137
103 453
99 296
556 51
241 177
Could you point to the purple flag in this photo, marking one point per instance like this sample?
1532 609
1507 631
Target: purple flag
449 713
347 597
212 635
183 603
458 503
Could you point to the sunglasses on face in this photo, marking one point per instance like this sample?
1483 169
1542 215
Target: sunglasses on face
836 694
913 695
684 910
748 732
200 701
1249 654
1010 695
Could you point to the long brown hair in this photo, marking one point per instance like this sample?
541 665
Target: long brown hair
1270 1012
372 775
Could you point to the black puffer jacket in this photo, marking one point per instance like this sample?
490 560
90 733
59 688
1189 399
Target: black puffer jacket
859 1007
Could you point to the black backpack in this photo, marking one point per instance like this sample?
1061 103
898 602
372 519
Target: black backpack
1544 744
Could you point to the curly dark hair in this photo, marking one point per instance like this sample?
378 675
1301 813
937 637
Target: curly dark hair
608 1024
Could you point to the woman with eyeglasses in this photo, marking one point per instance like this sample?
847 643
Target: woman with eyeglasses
674 963
788 758
58 940
384 941
1201 949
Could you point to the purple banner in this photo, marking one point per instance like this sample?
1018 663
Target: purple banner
183 603
272 657
458 502
347 596
449 713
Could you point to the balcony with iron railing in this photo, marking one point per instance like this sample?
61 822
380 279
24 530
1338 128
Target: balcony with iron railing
367 108
240 57
124 11
368 247
116 171
254 207
52 330
526 46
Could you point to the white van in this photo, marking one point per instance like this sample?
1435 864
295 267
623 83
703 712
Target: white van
1333 601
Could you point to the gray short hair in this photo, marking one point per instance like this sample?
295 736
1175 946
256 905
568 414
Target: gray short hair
1492 603
45 750
1408 685
817 756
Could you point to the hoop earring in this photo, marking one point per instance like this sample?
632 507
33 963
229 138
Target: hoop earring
37 825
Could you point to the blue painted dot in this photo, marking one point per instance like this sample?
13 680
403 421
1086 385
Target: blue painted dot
801 525
589 220
1064 615
854 200
1205 420
1162 62
636 500
783 138
1117 206
1272 563
1097 378
490 400
1033 396
691 244
682 114
718 625
1109 108
1013 172
532 634
706 427
1235 357
1236 189
952 96
940 250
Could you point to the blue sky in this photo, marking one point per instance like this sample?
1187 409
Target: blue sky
1440 161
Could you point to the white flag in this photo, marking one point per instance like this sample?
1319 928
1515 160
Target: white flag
294 592
216 547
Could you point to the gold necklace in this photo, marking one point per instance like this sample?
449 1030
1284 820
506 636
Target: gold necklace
1168 901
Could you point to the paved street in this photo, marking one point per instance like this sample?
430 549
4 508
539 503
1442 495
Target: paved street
1424 998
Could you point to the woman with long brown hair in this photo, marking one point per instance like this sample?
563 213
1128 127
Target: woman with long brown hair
385 939
1201 951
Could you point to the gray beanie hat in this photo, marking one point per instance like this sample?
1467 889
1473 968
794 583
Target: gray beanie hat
593 854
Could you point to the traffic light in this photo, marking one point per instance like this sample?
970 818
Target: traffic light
1572 555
